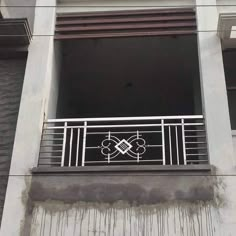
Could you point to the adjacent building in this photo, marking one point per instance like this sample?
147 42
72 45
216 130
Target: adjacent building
16 25
126 122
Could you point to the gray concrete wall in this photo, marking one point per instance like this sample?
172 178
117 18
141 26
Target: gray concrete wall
11 81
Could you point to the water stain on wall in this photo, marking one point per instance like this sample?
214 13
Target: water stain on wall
120 219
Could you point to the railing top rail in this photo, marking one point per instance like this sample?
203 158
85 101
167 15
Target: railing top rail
137 118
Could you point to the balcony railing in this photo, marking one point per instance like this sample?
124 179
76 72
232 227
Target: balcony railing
167 140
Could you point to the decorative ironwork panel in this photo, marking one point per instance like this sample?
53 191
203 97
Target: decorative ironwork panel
130 146
177 140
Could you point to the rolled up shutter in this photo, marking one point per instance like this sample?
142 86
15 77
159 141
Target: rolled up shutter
125 24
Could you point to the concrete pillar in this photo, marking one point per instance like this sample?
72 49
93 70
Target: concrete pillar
53 82
214 94
30 119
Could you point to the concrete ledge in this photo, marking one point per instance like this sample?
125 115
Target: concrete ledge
14 32
149 186
121 169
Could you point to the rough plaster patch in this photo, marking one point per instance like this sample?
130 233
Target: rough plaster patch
110 193
219 192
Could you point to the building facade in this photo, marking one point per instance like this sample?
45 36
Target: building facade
126 120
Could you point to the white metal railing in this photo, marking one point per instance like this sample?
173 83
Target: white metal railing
161 140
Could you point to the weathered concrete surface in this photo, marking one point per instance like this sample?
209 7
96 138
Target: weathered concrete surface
126 205
60 206
122 204
120 219
133 188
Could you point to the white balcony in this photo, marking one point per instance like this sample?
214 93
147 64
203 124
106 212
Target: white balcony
161 140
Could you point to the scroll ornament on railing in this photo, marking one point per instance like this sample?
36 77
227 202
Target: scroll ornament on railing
134 146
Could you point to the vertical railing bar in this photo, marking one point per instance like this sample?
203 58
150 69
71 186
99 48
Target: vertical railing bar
64 145
177 144
84 143
138 157
183 139
170 145
108 157
71 140
163 142
77 148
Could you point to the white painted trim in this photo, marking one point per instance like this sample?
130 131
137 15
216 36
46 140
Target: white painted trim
127 118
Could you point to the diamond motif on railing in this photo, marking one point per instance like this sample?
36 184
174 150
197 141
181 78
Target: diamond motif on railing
123 146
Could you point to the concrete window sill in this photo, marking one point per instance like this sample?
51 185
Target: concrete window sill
122 169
